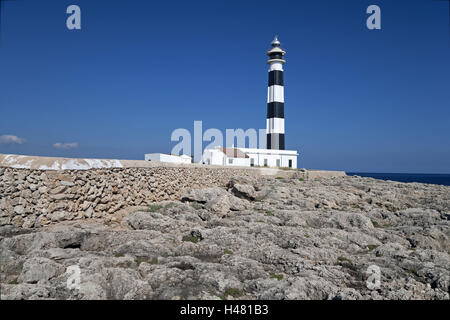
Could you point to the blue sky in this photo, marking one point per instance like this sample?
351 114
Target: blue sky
355 99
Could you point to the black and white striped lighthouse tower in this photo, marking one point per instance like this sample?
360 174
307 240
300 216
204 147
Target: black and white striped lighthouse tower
275 97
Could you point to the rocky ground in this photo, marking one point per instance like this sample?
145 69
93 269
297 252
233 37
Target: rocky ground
264 238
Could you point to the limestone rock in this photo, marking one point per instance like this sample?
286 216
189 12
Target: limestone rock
257 237
39 270
244 191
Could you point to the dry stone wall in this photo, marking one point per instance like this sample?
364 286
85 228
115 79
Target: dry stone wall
33 198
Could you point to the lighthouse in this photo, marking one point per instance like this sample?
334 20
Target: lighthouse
274 154
275 97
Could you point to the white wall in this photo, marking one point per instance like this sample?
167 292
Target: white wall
213 157
218 158
161 157
272 158
244 162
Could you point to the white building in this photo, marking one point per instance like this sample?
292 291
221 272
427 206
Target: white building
249 157
170 158
271 157
221 156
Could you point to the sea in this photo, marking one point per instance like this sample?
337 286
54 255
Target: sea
442 179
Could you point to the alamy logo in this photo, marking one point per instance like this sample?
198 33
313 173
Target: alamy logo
233 138
73 22
373 281
374 21
74 279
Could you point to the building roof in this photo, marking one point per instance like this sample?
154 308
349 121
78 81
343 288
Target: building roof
233 153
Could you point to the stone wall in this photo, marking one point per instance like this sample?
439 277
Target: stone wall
32 198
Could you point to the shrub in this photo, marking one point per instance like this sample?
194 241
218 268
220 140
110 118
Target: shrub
276 276
412 272
139 260
343 259
153 208
190 239
170 205
234 292
226 251
196 205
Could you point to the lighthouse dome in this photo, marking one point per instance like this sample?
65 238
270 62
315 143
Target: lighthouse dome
276 42
276 53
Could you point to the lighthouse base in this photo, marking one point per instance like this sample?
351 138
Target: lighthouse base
275 141
250 157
